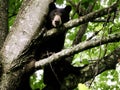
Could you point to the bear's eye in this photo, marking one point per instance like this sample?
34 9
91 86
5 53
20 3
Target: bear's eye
55 13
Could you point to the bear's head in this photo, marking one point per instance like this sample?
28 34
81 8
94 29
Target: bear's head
57 16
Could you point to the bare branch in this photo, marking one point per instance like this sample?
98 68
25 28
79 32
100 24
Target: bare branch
78 48
91 16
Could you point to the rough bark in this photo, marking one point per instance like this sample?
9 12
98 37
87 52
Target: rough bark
3 25
26 27
3 21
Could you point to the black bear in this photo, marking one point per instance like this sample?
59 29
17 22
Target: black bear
55 72
55 18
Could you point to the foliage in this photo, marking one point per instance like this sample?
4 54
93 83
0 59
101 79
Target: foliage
36 80
106 80
82 87
14 6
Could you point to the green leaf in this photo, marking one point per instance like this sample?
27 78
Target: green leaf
82 87
85 61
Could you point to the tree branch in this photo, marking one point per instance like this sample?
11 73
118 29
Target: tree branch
106 63
91 16
92 70
78 48
84 19
67 25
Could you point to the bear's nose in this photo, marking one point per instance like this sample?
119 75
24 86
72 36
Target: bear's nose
57 23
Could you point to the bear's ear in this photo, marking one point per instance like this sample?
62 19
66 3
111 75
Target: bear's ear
52 6
68 8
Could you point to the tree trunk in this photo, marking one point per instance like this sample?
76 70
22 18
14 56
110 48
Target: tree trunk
3 21
26 27
3 25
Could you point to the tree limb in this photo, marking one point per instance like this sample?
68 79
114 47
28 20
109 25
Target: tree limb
91 16
106 63
81 20
75 22
78 48
92 70
84 19
27 25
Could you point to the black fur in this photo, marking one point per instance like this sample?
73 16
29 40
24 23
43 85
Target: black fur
56 71
54 44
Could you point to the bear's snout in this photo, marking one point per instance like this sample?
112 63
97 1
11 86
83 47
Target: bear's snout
56 21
